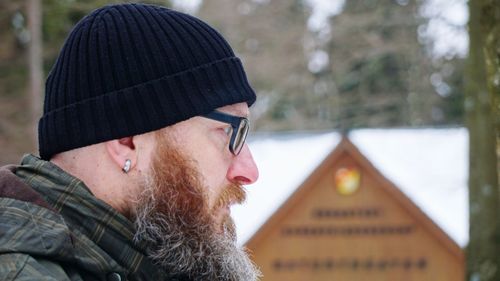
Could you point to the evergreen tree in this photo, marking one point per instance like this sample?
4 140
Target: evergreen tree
383 75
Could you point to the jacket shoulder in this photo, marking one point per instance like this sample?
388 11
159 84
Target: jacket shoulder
23 267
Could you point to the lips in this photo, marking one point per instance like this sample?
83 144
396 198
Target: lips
226 211
230 195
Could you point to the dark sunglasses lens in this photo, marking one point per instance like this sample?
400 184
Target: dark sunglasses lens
241 136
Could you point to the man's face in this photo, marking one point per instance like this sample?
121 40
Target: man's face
206 143
183 210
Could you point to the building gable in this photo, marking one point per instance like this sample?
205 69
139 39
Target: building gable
373 233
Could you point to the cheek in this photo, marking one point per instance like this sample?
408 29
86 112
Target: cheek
211 158
213 170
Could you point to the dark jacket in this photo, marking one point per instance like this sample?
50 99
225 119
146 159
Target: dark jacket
53 228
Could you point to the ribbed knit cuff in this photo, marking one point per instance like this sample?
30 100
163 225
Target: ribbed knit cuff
144 107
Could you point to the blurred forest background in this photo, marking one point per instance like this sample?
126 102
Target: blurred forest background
365 63
369 64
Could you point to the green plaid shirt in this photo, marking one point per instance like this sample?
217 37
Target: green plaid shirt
88 240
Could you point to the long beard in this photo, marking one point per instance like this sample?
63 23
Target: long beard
173 217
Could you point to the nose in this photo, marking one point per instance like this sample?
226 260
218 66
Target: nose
243 169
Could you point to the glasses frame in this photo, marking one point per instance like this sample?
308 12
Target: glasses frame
237 128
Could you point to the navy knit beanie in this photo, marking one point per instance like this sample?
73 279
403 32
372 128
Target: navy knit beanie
133 68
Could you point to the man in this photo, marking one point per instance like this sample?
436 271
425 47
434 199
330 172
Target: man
142 152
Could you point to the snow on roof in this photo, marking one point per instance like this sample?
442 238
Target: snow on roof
429 165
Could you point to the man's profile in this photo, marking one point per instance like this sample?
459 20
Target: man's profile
142 152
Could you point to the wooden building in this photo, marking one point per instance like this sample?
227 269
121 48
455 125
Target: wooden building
347 221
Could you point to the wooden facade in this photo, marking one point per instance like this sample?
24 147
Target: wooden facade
359 227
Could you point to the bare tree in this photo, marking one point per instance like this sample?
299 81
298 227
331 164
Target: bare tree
35 62
482 89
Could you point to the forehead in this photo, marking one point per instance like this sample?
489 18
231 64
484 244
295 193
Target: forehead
184 127
239 109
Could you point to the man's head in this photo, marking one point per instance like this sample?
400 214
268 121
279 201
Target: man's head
133 68
163 92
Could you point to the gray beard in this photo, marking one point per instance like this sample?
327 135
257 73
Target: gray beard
187 247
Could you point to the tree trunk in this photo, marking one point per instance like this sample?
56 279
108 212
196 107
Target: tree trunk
35 65
492 53
482 82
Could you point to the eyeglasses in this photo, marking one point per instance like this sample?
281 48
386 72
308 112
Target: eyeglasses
239 129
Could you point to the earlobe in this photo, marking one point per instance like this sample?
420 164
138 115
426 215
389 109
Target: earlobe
122 152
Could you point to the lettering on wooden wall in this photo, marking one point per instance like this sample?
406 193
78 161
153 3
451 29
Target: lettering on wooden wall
354 230
353 264
333 213
367 227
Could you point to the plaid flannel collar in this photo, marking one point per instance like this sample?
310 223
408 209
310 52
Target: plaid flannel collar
88 216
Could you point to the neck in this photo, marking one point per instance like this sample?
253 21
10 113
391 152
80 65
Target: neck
104 180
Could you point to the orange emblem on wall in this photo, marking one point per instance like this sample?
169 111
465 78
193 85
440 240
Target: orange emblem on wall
347 180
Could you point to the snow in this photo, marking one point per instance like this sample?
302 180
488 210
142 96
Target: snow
284 163
429 165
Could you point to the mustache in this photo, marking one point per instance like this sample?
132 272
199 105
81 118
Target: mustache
231 194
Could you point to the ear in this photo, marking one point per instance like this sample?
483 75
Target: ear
119 150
